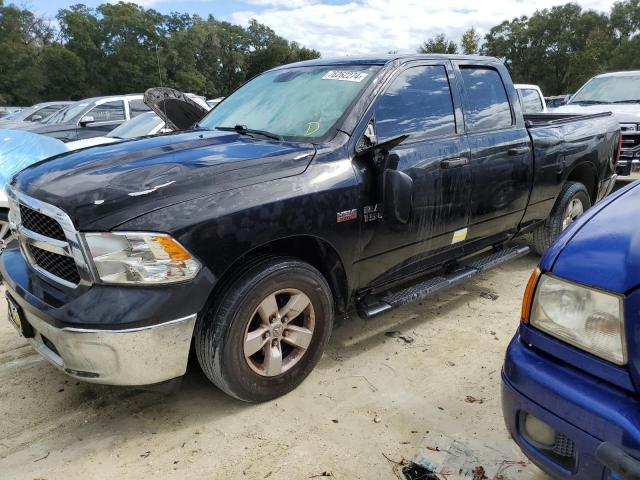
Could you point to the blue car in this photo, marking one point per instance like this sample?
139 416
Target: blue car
571 377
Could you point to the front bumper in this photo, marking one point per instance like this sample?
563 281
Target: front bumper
137 356
115 335
628 167
584 410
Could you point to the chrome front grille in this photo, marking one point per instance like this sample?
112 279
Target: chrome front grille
57 265
48 240
630 146
41 223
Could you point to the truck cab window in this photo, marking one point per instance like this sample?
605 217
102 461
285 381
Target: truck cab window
418 102
487 105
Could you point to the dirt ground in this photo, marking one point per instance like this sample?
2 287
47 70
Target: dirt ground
373 400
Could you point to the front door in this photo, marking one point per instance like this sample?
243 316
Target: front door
106 117
420 102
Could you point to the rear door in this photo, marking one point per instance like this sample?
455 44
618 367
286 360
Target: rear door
501 157
420 101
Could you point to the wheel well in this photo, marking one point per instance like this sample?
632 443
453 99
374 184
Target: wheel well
585 173
310 249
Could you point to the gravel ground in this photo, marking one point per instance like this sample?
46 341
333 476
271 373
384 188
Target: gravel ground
373 400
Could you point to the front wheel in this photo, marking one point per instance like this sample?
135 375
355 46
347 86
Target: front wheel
5 233
266 331
572 202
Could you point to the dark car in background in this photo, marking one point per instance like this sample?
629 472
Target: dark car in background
35 113
93 117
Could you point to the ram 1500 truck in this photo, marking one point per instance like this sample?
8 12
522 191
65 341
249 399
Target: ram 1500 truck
571 375
315 188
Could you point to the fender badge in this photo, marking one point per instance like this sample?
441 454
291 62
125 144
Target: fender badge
347 215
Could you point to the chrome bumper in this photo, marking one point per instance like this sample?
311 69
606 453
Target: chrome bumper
137 356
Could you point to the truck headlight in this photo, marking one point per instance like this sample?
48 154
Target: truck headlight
139 258
589 319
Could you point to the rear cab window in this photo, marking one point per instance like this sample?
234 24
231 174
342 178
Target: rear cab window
487 105
137 107
418 103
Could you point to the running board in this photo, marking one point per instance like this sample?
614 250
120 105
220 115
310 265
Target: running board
373 305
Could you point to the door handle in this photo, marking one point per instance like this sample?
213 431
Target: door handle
518 151
454 162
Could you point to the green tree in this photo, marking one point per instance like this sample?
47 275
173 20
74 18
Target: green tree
64 73
439 44
470 43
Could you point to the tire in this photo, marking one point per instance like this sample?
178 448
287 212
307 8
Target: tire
241 311
573 194
5 233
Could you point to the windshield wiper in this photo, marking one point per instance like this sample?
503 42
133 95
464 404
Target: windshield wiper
243 130
626 101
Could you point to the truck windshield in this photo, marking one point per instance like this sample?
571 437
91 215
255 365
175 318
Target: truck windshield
610 89
302 102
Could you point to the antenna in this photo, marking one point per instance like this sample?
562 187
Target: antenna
159 71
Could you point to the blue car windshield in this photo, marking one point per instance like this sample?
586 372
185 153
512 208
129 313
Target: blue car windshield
297 102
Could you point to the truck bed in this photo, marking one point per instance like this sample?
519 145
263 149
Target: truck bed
534 120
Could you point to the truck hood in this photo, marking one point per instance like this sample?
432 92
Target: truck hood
105 186
602 249
624 112
178 111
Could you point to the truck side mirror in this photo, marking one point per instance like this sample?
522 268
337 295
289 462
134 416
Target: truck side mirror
397 195
86 120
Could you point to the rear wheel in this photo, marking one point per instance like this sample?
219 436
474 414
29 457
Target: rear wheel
572 202
266 331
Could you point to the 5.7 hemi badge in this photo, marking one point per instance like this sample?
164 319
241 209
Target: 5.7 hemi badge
347 215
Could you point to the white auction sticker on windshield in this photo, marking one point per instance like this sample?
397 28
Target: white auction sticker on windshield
345 75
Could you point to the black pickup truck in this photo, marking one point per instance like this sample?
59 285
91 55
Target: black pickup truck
315 189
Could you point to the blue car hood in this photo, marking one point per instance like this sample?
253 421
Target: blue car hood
602 248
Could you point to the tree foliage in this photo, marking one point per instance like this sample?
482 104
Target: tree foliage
124 48
439 44
558 48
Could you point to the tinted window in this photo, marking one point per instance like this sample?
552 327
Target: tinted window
136 107
108 112
418 102
47 111
531 101
487 103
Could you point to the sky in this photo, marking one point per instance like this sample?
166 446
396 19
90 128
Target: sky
349 27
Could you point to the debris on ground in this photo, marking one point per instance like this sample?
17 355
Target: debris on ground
472 399
490 296
450 363
377 419
445 457
405 338
413 471
323 474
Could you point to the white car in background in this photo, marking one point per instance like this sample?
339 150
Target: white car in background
150 123
531 98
